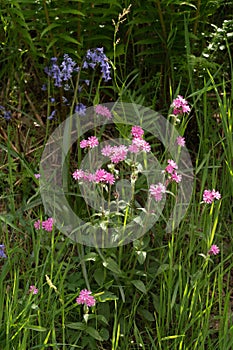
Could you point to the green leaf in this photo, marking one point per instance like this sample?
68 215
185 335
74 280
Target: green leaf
99 276
69 39
76 325
107 296
35 328
111 265
72 11
146 314
90 256
50 27
94 333
139 285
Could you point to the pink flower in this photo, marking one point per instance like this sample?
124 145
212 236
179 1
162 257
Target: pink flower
180 141
37 224
86 298
177 178
216 194
78 174
137 131
104 111
214 250
109 178
106 151
83 143
133 148
138 145
93 141
47 225
33 290
157 191
37 176
118 154
209 196
180 105
100 175
170 168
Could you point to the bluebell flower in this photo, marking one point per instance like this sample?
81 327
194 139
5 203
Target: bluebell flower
52 100
44 86
54 72
80 109
5 114
2 251
52 115
67 67
64 100
97 56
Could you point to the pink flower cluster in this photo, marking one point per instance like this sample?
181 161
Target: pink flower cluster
115 153
46 225
180 141
138 144
91 142
180 105
210 195
104 111
86 298
37 176
214 250
137 131
157 191
100 175
171 170
33 290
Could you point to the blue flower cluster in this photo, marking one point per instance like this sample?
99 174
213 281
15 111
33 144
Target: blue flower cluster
5 114
2 251
62 73
97 56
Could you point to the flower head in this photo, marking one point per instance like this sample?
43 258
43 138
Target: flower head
78 174
171 167
180 141
47 225
210 195
51 116
137 131
91 142
175 177
157 191
6 114
37 176
67 67
138 144
214 250
33 289
86 298
104 111
180 105
2 251
80 109
97 56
